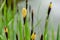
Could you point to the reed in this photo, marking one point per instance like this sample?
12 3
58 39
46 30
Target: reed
8 13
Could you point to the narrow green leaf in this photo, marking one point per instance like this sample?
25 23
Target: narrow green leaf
58 32
27 31
46 30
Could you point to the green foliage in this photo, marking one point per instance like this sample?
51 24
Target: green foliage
23 31
46 30
58 32
27 30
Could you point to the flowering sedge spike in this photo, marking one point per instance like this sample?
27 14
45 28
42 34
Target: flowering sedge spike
33 36
32 17
16 37
41 37
6 32
32 23
26 4
49 9
24 13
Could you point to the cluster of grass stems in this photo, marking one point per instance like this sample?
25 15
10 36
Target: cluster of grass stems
23 31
